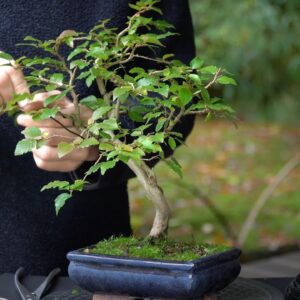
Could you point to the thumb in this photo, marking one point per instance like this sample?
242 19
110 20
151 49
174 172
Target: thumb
19 83
15 74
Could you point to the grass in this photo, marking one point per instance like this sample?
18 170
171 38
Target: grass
155 249
231 166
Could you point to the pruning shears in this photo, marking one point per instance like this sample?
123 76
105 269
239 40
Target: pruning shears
38 293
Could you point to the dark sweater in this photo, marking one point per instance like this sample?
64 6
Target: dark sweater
30 234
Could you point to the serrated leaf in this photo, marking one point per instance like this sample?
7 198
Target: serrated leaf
209 70
32 132
56 184
60 201
89 81
109 124
6 56
121 93
75 52
104 166
46 113
88 142
53 98
57 77
106 147
25 146
64 149
161 122
196 63
226 80
100 112
93 169
185 95
196 78
78 185
172 143
175 166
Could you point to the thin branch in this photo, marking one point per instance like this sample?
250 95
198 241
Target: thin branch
176 120
101 86
264 196
160 61
66 128
214 79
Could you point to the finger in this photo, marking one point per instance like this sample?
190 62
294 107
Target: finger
39 99
6 86
27 121
50 154
56 166
54 136
17 79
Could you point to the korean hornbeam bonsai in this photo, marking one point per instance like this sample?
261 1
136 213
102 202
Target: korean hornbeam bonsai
155 99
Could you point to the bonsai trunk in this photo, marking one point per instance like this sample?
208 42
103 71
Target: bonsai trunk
147 178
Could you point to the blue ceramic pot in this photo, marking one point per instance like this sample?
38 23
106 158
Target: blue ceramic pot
149 278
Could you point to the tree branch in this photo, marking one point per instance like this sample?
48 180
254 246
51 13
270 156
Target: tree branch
265 195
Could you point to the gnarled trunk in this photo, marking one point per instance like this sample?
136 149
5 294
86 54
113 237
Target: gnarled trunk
147 178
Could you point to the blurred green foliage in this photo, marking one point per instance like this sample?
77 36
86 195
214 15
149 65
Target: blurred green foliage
259 42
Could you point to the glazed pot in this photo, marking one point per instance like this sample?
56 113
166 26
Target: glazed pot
149 278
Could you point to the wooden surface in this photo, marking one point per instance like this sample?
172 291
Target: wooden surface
287 265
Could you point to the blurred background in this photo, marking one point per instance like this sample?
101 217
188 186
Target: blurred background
241 185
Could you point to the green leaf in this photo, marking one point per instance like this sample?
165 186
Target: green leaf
25 146
109 124
60 201
196 78
104 166
93 169
172 143
100 112
56 184
91 102
106 147
209 70
78 185
64 149
121 93
185 95
196 63
174 166
75 52
6 56
32 132
89 142
79 63
89 81
57 77
53 98
46 113
226 80
161 122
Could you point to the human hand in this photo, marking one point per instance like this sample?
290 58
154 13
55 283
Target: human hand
46 157
11 82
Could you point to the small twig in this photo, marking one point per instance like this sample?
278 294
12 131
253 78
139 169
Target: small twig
176 120
66 128
160 61
264 196
214 79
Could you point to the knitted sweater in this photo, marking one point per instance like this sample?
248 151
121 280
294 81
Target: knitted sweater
31 235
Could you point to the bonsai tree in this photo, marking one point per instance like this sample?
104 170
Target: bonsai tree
155 99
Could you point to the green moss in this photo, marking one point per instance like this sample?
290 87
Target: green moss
155 249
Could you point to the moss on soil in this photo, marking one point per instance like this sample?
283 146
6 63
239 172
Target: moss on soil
154 249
